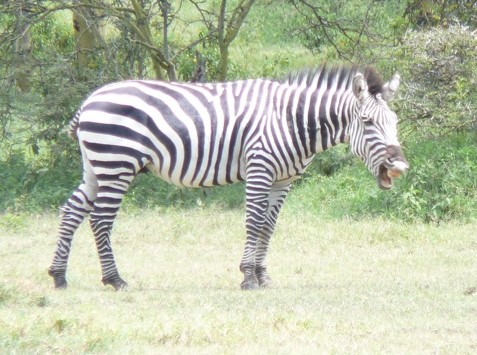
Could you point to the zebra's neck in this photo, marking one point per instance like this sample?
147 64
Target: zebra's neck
318 119
335 112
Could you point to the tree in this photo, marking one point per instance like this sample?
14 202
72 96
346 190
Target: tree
228 30
441 86
55 70
354 30
141 28
223 28
432 13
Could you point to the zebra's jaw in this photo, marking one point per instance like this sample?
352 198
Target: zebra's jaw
388 173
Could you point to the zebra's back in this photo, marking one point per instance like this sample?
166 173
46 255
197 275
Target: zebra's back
188 134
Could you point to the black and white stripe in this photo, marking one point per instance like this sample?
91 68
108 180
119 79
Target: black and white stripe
262 131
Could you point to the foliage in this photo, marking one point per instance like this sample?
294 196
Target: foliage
40 166
35 182
35 118
349 30
147 191
428 13
440 71
440 186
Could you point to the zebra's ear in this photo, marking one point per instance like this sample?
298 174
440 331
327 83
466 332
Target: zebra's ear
390 88
360 87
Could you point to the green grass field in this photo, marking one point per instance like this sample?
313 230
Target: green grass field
340 287
355 269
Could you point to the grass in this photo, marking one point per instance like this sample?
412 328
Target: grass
371 286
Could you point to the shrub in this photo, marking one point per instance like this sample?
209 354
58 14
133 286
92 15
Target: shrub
37 181
440 186
439 67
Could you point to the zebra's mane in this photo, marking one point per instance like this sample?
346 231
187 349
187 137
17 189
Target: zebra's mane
339 75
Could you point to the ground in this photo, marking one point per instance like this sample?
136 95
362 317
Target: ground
342 286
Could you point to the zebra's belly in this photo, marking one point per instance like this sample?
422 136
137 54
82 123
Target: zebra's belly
286 181
199 176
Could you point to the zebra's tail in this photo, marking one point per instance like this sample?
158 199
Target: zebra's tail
73 126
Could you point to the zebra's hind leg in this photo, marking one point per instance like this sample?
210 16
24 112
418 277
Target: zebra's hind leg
78 206
275 202
106 206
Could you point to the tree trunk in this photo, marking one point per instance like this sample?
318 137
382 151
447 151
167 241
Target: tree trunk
226 34
223 63
23 49
87 35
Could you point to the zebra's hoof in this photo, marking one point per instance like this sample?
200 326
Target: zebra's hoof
59 279
265 282
247 285
117 282
61 284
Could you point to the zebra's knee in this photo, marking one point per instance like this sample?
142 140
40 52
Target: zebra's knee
81 201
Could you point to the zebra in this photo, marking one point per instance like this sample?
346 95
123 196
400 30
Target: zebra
263 132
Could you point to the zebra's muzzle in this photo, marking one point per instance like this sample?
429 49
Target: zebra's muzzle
393 166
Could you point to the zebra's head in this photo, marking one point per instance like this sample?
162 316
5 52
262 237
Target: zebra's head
373 128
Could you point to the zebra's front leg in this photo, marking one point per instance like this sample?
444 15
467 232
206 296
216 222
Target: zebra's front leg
102 218
257 190
73 212
276 198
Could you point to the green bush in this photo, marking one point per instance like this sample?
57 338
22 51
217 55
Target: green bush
440 186
34 182
39 166
439 70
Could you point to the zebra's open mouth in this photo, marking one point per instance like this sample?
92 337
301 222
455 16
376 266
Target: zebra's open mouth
386 176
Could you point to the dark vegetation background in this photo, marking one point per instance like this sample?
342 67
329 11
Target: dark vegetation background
53 53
